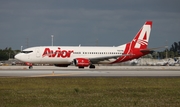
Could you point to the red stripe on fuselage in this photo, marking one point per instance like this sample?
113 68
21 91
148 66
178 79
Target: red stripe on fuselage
120 59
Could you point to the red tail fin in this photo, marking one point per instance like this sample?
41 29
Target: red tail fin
134 48
141 39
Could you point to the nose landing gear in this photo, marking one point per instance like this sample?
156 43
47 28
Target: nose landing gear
30 67
29 64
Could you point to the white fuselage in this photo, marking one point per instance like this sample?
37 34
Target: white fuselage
66 54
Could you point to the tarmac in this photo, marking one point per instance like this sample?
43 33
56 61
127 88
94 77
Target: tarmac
97 67
100 71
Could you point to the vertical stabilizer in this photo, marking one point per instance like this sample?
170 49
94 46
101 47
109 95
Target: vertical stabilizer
134 49
141 39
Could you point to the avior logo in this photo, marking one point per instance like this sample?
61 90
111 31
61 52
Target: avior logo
57 53
142 40
143 37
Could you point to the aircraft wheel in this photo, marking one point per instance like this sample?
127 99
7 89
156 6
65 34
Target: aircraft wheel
30 67
92 66
81 67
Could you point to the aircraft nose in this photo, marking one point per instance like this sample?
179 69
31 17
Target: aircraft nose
18 57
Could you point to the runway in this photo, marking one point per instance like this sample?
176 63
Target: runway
47 71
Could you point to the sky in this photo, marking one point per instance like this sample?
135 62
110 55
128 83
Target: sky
31 23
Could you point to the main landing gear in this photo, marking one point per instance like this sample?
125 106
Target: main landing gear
30 67
92 66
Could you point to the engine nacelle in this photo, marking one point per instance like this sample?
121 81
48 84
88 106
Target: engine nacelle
81 62
61 65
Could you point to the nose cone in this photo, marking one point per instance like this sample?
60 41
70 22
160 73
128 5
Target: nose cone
18 57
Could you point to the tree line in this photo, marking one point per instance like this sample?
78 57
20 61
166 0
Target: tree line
7 53
172 52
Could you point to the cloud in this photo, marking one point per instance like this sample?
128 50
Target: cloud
83 21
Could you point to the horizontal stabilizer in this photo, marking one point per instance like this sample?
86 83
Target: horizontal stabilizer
151 49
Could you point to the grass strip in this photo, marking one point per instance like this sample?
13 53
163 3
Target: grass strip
90 92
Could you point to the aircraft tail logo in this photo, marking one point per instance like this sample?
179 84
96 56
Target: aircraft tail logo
142 37
140 42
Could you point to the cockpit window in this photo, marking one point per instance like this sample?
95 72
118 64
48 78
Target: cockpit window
26 52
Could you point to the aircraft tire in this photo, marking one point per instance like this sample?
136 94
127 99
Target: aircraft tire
30 67
80 67
92 67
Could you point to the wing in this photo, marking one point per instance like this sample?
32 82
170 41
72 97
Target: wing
97 59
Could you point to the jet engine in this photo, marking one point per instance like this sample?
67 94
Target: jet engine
81 62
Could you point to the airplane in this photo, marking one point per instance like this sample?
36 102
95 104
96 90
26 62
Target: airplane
162 63
173 62
134 61
87 56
